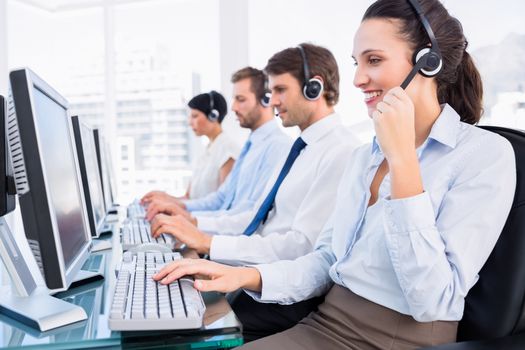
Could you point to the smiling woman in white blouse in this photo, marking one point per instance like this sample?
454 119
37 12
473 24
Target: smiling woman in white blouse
211 169
418 211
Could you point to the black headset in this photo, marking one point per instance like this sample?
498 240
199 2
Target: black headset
427 60
213 114
267 95
312 87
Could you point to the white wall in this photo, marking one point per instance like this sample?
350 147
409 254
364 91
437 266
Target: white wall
3 47
234 54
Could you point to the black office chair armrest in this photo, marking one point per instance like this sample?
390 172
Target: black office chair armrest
511 342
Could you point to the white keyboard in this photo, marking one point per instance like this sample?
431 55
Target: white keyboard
136 210
140 303
138 231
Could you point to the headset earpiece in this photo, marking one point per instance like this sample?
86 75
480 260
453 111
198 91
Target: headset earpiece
312 87
213 115
265 99
432 61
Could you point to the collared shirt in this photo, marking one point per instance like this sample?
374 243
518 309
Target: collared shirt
302 204
419 255
268 145
206 174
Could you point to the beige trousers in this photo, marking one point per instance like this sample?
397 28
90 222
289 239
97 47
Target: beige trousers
348 321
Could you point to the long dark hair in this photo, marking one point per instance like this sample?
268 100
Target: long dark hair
459 82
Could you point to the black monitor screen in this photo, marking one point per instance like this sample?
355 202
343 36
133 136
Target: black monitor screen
95 186
60 173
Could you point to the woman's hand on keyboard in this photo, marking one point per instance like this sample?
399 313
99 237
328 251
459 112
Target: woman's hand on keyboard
183 230
221 278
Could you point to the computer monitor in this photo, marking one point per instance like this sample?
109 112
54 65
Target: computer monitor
89 171
7 185
110 170
47 178
104 173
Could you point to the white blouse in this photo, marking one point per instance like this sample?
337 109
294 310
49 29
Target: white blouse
206 173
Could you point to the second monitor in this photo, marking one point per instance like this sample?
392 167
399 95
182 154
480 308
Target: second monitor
106 175
89 170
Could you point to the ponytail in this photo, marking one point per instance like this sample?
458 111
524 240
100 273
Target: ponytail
465 94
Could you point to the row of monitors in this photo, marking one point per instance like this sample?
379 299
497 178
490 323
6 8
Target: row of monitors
61 173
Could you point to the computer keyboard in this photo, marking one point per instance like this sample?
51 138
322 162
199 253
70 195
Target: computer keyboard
138 231
140 303
136 210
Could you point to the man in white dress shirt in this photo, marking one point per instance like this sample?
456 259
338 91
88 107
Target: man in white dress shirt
299 197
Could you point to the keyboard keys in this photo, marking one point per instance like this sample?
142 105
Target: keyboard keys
136 231
119 299
136 210
140 303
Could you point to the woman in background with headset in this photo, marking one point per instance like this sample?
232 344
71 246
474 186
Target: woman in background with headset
418 211
211 169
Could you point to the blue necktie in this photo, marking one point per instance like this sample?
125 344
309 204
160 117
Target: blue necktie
235 176
267 205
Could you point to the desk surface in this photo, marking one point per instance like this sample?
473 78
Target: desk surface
221 328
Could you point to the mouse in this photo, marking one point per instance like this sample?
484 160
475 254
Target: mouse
150 247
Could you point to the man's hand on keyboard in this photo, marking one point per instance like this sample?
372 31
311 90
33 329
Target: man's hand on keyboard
183 230
222 278
164 206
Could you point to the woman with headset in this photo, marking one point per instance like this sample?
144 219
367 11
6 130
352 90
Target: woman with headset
207 111
418 211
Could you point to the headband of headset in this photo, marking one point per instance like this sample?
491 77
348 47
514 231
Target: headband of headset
427 60
312 87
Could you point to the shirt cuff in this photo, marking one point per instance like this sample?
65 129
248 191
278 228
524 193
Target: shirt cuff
190 204
271 282
207 223
409 214
222 247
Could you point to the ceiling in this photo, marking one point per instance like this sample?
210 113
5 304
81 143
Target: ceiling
67 5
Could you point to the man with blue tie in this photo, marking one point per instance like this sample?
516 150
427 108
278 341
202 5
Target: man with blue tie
299 197
265 146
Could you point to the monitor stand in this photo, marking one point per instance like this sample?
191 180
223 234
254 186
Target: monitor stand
101 244
106 229
84 277
26 302
93 270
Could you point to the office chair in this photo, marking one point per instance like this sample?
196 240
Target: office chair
494 315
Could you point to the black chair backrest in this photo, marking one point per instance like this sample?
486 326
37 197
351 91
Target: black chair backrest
495 305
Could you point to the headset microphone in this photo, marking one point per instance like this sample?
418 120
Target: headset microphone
419 65
427 60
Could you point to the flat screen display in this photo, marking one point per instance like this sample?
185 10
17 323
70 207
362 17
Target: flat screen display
95 186
60 173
